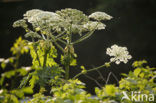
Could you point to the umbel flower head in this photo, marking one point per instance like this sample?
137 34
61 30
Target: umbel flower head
100 16
118 54
41 18
94 25
64 22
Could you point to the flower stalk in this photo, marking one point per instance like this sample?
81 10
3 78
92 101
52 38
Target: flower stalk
90 70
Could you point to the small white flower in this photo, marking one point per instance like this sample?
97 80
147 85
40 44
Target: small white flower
1 91
100 16
2 59
6 61
27 68
120 54
94 25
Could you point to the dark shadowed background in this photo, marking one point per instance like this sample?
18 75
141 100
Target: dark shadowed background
133 26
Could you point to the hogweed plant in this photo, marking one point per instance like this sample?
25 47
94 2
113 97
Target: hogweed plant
46 33
49 29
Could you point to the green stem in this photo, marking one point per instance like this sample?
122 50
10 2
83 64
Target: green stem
37 57
58 36
17 61
62 41
45 58
85 36
96 68
68 54
59 46
54 40
67 64
67 72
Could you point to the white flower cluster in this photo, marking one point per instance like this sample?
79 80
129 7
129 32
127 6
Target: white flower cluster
36 15
62 21
120 54
94 25
100 16
20 23
30 13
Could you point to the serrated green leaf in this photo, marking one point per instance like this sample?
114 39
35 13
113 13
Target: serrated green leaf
110 90
33 81
123 74
137 71
3 65
24 81
73 62
27 90
142 75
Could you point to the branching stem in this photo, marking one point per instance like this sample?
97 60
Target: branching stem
96 68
